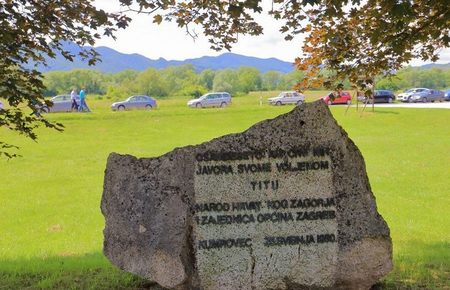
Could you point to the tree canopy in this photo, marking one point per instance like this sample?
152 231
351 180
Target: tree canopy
355 39
31 30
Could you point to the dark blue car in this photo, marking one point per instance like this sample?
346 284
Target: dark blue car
447 95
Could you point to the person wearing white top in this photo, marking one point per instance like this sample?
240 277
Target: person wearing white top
73 98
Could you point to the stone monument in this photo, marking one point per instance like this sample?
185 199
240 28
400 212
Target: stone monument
284 205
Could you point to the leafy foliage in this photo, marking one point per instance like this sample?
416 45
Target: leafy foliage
184 81
63 82
31 30
345 39
435 78
177 80
368 38
221 21
249 79
354 39
224 80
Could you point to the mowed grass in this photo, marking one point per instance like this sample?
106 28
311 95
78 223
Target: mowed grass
51 224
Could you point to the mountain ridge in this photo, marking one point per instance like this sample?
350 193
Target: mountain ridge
113 61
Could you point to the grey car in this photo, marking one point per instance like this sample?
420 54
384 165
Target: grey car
61 103
135 102
427 95
218 99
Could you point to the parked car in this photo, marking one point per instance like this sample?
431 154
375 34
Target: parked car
380 96
1 105
405 96
135 102
447 95
287 98
61 103
218 99
426 95
343 98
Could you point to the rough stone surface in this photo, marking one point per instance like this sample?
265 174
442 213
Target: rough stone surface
284 205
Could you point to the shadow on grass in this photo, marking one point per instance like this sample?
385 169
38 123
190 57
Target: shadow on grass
416 266
91 271
378 111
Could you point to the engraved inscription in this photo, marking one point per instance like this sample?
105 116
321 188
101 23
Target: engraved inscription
265 206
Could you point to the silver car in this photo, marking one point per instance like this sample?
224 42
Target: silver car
406 96
61 103
427 95
287 98
135 102
218 99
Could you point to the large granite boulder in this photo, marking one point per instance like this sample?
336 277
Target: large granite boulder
284 205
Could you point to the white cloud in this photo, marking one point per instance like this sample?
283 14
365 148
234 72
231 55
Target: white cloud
171 42
444 57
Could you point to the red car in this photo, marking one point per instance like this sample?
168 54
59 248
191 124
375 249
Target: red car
344 98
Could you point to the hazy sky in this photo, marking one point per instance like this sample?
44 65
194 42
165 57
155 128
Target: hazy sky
171 42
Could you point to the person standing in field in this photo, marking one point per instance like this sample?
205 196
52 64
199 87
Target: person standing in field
73 98
83 104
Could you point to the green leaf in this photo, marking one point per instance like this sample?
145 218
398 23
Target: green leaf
157 19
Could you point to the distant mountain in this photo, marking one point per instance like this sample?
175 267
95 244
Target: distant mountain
232 60
436 65
114 61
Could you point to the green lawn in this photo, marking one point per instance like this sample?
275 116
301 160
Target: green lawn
50 220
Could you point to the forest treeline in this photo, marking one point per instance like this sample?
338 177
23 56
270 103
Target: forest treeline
184 80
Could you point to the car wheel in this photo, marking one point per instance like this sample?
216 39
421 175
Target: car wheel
390 100
299 103
121 108
278 103
223 105
44 110
198 105
148 107
410 100
329 102
349 102
424 100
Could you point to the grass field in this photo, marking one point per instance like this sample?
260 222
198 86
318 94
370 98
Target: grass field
50 220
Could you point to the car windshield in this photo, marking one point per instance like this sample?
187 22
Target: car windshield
414 90
58 99
285 95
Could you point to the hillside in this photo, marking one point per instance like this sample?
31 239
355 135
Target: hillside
114 61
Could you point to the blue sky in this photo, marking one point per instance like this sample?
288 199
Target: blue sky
171 42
